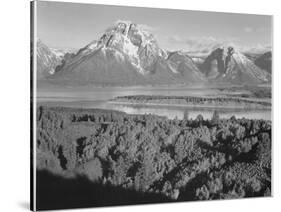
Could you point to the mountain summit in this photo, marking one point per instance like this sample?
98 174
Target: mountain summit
138 45
225 64
125 54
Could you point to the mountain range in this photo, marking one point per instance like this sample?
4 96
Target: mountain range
47 60
127 54
227 65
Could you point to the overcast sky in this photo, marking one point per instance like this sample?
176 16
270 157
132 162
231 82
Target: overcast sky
72 25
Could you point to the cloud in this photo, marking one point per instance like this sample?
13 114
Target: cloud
248 29
177 38
147 28
200 45
258 29
258 49
141 26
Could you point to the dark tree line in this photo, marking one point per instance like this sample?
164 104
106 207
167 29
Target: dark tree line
193 99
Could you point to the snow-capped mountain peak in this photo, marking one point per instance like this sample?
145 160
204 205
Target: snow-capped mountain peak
129 41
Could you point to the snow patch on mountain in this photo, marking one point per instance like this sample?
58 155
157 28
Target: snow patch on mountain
92 46
60 52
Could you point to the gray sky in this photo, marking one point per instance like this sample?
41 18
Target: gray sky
74 25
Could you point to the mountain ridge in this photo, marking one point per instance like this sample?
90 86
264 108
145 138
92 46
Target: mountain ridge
126 54
225 64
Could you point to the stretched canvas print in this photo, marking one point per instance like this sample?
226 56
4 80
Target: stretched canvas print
138 105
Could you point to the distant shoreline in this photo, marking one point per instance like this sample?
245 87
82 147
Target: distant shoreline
187 101
187 105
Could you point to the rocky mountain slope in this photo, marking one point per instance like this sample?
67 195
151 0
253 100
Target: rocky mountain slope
47 60
265 61
225 64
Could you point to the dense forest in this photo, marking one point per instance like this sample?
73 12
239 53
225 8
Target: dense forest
233 102
182 160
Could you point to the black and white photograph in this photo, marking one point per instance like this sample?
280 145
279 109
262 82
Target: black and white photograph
138 105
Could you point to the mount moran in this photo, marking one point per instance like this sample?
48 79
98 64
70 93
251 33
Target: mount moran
127 54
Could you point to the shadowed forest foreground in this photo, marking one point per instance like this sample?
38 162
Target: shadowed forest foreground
91 157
